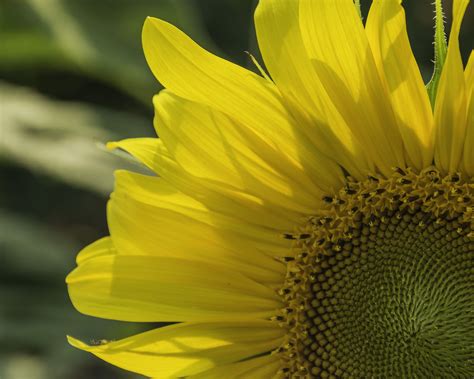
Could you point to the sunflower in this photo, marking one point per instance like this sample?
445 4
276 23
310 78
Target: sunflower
315 224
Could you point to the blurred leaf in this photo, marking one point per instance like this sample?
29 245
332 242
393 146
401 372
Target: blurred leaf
36 319
35 312
63 139
100 38
33 248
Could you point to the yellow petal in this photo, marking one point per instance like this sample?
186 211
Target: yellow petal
284 53
158 194
214 196
469 74
261 367
103 246
386 31
211 146
142 205
147 150
450 107
147 288
468 153
186 349
194 74
336 42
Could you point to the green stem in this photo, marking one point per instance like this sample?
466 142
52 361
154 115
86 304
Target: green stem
440 50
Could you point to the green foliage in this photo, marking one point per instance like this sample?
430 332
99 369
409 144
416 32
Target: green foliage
101 39
440 50
64 139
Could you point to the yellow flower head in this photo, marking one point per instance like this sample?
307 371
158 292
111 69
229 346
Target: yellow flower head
318 224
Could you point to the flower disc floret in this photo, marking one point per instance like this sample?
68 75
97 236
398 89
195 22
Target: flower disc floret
382 281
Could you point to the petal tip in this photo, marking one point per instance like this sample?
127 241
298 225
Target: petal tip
76 343
149 21
153 24
112 145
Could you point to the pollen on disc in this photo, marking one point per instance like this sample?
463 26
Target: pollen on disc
383 284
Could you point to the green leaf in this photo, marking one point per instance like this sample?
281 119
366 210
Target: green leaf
440 50
64 139
98 39
34 249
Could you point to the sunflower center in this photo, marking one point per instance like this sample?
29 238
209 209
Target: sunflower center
382 282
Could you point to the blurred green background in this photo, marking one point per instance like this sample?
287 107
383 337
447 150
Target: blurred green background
72 77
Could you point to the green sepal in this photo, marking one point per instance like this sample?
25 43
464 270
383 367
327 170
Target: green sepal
440 50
